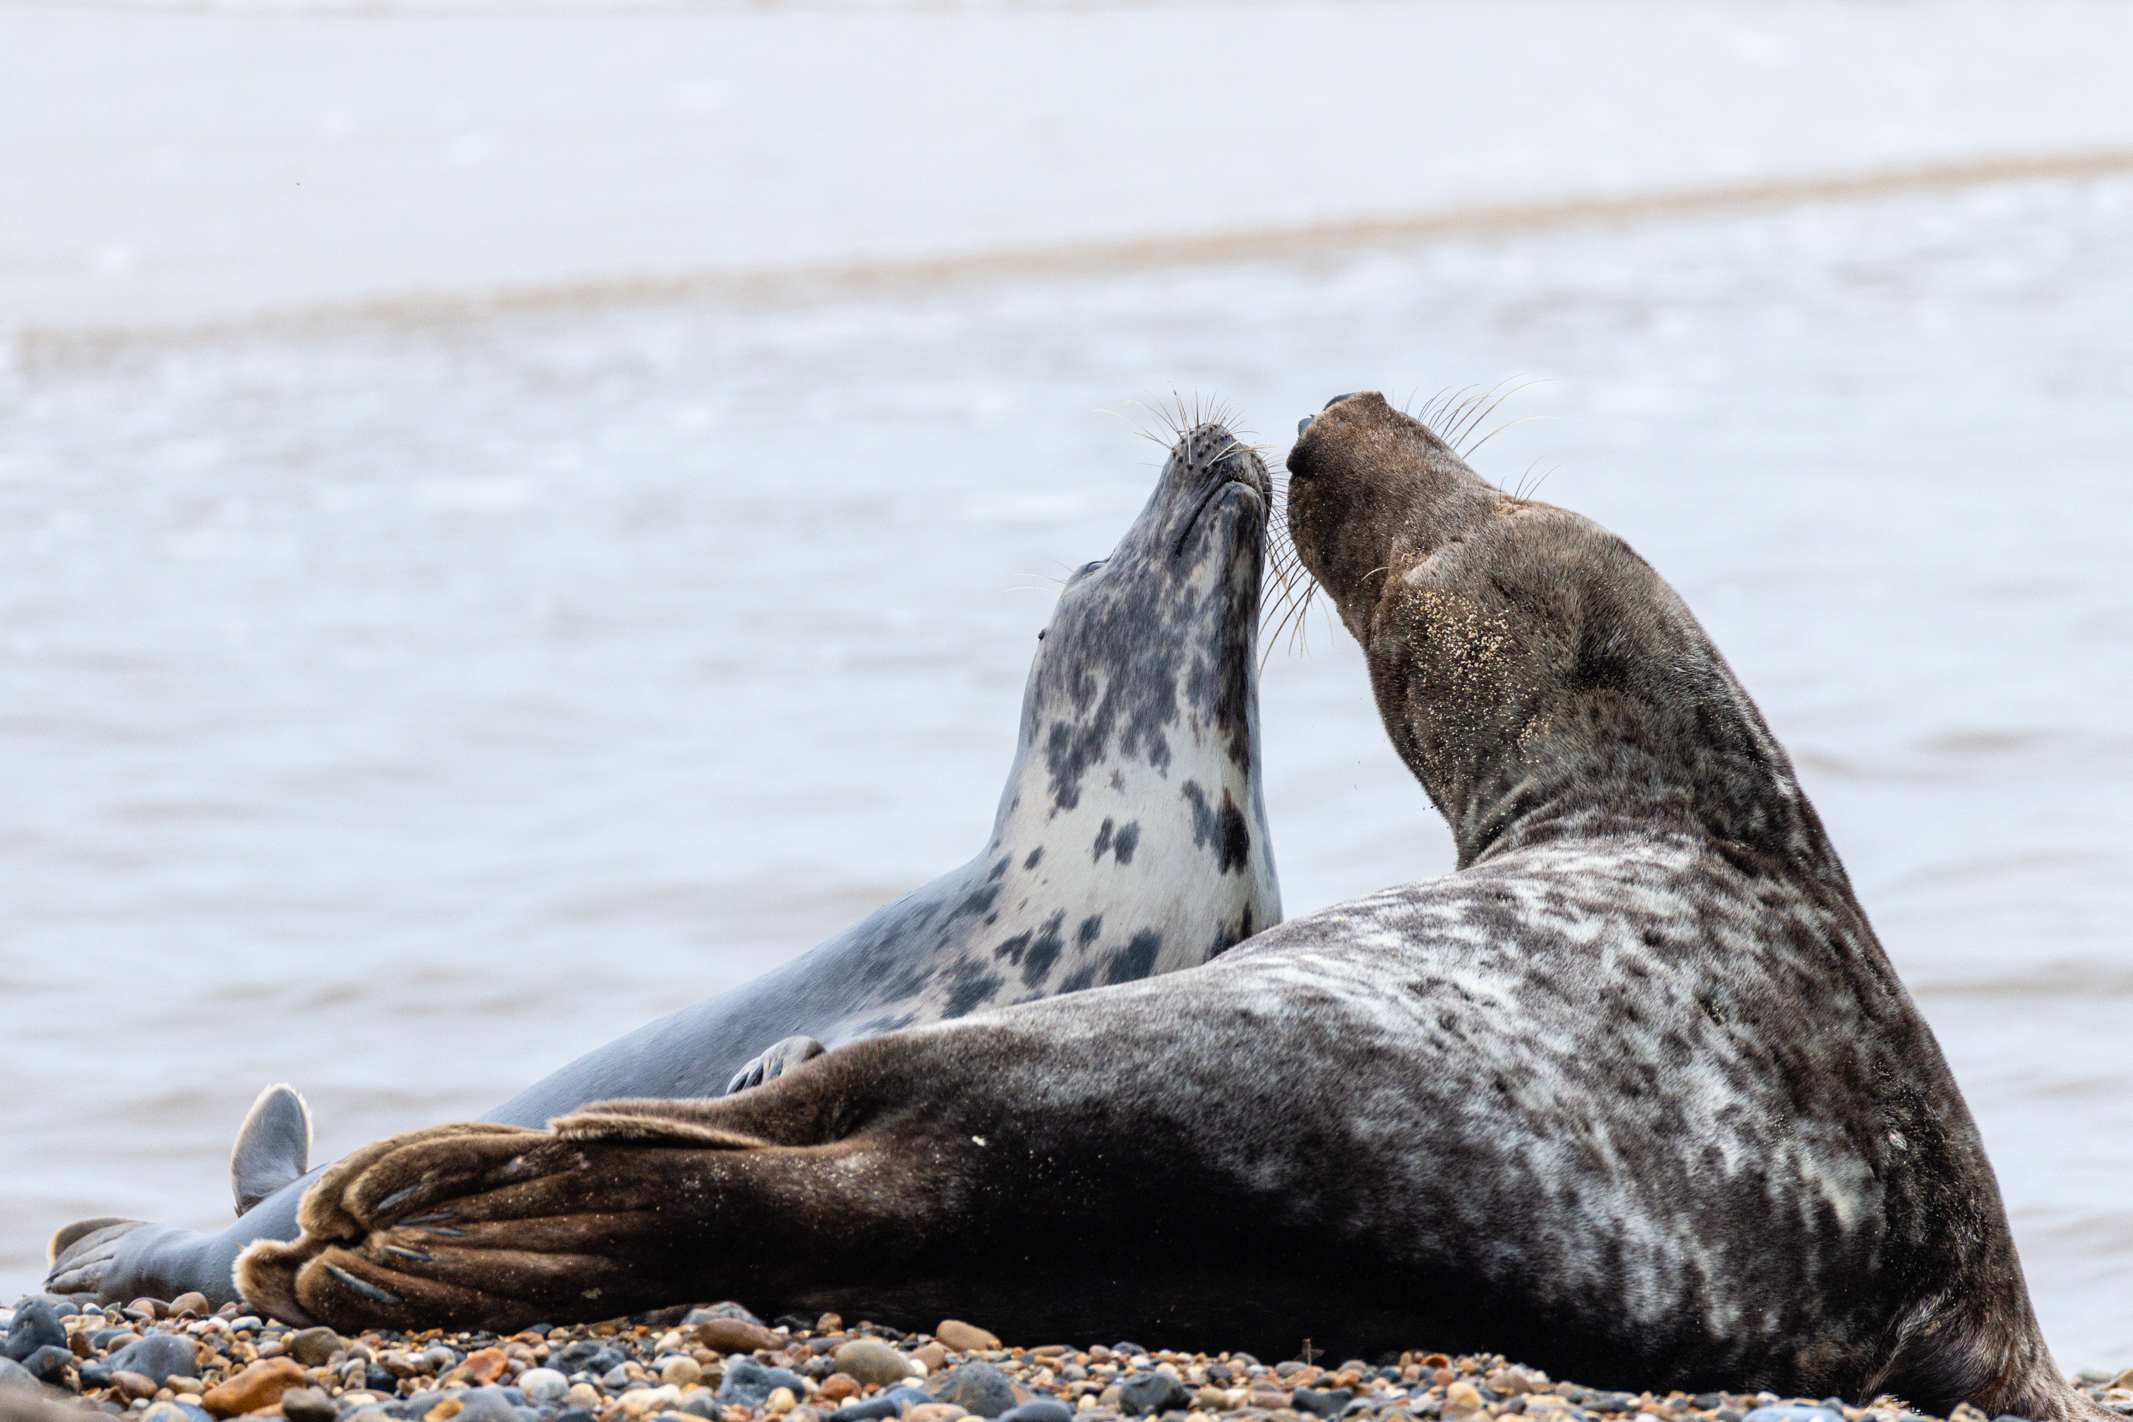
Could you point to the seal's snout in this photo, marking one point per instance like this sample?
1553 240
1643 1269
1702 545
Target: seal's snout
1211 468
1212 456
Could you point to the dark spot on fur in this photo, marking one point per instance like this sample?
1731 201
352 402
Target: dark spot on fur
1045 950
1137 959
1091 928
999 869
1078 979
1235 837
1013 949
1222 829
974 987
1127 840
1035 855
1103 841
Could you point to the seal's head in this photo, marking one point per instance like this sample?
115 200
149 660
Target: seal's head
1155 643
1136 782
1536 674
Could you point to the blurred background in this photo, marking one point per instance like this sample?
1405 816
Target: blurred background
516 517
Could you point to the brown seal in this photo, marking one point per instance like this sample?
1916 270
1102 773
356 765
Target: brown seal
1632 1094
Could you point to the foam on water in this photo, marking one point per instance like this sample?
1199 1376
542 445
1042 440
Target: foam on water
402 712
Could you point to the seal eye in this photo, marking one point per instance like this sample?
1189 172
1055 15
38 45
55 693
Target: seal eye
1304 424
1087 568
1338 398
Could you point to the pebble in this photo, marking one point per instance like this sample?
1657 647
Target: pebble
871 1362
964 1337
1144 1393
36 1325
1462 1399
259 1385
1041 1409
746 1371
980 1389
1321 1404
543 1385
935 1412
175 1412
308 1404
313 1347
731 1335
748 1383
161 1356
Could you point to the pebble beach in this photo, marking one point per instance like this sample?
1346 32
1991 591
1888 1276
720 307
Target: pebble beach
177 1361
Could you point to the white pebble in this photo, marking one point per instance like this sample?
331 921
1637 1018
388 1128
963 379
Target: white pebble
543 1385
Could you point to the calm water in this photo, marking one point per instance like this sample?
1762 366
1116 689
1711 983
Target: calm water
402 712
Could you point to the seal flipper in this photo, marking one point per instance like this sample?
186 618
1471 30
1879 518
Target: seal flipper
273 1146
776 1060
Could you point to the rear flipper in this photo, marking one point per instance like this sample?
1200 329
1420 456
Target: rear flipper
494 1227
780 1058
111 1260
273 1146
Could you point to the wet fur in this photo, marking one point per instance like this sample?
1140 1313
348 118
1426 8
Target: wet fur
1633 1094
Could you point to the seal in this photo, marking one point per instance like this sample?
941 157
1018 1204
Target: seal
1633 1093
1130 841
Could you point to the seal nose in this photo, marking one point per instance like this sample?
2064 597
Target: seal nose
1338 398
1304 424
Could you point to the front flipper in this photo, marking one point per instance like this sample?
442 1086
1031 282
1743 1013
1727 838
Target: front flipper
273 1146
779 1058
490 1226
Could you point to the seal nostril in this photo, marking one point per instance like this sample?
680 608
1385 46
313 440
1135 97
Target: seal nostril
1338 398
1304 424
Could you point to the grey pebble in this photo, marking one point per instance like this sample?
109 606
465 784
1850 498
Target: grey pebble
1320 1404
36 1326
722 1310
1796 1412
749 1384
307 1404
875 1409
1042 1409
50 1364
1152 1392
175 1412
978 1388
159 1357
486 1404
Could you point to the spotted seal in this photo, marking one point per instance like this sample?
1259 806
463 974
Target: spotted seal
1130 841
1633 1093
